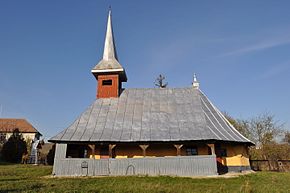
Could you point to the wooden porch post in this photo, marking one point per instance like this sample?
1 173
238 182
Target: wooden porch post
178 148
111 147
144 147
211 148
93 147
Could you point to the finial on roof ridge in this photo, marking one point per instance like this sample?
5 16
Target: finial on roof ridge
195 83
110 10
194 77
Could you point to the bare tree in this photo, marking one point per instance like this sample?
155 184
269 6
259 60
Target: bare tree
287 137
261 129
265 129
159 82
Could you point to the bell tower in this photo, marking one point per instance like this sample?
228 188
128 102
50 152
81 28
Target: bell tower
108 72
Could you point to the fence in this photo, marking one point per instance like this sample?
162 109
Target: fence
270 165
175 166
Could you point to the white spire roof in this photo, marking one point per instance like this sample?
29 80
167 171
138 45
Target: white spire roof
109 62
109 48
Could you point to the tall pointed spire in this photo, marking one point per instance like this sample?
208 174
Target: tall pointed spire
109 62
109 48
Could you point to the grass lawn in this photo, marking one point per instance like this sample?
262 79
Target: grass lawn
30 178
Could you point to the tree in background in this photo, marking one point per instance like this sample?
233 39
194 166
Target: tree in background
266 133
265 129
241 125
50 155
14 148
159 82
28 142
287 137
262 129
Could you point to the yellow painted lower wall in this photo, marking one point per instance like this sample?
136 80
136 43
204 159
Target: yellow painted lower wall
237 160
128 151
154 150
161 150
236 155
96 156
134 151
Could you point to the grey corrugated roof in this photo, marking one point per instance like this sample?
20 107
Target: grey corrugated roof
148 115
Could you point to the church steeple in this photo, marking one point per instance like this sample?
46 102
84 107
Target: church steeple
109 72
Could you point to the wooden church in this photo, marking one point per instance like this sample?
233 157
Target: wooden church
147 131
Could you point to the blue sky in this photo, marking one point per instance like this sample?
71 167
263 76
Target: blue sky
239 50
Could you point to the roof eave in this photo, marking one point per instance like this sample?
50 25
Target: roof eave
107 70
157 141
120 71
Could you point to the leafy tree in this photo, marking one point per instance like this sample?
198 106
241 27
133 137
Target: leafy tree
14 148
159 82
28 145
276 151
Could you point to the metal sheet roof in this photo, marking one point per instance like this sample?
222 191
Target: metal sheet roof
148 115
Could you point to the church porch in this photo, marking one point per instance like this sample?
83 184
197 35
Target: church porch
199 165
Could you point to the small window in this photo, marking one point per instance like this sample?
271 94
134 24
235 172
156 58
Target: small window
106 82
191 151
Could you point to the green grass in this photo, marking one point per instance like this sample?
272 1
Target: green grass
30 178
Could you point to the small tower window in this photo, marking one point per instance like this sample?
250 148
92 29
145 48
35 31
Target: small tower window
106 82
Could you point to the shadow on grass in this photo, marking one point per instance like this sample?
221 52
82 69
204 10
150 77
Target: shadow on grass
6 163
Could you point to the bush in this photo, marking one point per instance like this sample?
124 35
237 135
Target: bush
14 148
50 155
